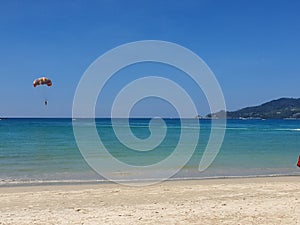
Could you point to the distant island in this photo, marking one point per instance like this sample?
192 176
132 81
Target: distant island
283 108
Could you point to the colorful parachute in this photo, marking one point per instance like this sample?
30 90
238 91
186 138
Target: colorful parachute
42 81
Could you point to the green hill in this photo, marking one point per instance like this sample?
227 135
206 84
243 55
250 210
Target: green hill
283 108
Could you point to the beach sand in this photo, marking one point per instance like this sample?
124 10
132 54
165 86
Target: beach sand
272 200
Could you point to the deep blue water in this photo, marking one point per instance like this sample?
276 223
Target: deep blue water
38 150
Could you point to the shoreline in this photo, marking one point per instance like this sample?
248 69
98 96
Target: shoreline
204 181
30 183
276 178
260 200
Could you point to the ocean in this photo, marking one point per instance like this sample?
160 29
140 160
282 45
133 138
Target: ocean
34 151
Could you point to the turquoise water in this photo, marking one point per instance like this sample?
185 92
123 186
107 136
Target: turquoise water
44 150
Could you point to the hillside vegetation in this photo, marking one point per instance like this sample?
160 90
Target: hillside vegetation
283 108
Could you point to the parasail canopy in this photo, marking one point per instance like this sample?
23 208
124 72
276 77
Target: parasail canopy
42 81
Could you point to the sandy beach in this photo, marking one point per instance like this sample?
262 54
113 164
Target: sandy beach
272 200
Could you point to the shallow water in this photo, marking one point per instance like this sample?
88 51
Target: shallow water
45 150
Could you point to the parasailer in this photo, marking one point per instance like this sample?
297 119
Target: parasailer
42 81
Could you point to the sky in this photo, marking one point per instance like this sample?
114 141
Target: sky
251 46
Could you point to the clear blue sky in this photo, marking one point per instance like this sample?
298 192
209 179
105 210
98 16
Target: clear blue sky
253 47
